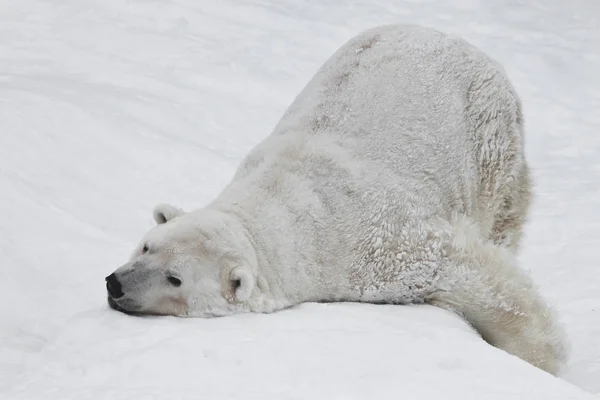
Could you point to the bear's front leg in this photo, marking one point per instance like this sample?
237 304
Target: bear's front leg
482 282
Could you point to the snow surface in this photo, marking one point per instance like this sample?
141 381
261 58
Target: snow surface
108 107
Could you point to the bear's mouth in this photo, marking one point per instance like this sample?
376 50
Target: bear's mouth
126 308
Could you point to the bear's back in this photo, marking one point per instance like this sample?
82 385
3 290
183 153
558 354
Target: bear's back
392 107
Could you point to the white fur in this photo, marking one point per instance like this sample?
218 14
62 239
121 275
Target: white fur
397 175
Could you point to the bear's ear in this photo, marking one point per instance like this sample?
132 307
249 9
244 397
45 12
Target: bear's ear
165 212
242 283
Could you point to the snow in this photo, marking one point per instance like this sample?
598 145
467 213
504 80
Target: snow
110 107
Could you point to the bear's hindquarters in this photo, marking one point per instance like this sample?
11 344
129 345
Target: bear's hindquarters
497 133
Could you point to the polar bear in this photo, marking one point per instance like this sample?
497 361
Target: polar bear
397 175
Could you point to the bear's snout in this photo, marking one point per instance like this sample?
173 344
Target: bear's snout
113 286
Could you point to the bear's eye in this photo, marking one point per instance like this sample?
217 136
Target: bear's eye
145 249
174 281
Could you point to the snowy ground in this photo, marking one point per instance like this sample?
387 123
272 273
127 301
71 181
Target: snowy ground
108 107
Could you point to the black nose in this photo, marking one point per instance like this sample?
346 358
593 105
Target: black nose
113 286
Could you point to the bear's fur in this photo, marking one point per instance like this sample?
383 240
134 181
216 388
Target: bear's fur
397 175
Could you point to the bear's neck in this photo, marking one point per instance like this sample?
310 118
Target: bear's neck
289 270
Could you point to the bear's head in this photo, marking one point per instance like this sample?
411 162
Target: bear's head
199 264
